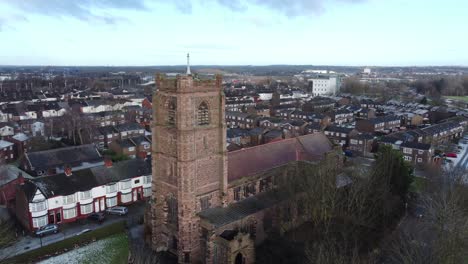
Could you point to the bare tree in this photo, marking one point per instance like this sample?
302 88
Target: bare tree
441 236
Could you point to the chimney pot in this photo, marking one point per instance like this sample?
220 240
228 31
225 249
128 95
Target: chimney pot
108 162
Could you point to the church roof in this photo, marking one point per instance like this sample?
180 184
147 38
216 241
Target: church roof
220 216
250 161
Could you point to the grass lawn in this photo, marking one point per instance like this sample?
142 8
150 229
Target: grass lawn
113 249
69 243
461 98
418 185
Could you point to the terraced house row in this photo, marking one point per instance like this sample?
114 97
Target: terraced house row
72 195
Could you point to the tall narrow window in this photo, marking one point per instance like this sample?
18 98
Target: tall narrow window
171 210
171 112
203 115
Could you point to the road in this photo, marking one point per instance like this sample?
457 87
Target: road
462 161
28 243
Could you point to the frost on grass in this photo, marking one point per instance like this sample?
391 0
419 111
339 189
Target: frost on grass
101 251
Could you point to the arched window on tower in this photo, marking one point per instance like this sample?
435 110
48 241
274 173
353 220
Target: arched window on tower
171 210
171 112
203 115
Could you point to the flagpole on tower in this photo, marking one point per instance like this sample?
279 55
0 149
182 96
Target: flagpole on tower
188 64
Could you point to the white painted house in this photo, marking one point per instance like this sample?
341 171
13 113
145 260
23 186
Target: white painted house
73 195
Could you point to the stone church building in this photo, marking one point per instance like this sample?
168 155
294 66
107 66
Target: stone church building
208 205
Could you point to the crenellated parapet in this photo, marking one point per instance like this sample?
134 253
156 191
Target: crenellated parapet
187 84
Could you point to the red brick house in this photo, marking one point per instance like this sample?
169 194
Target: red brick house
7 152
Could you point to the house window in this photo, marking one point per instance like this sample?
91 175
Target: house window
111 202
136 182
69 199
85 195
40 206
265 184
69 213
205 203
111 188
146 146
131 149
419 159
203 115
126 185
420 151
250 189
147 192
39 221
86 208
407 151
126 197
237 191
147 179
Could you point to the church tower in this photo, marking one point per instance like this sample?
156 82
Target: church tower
189 160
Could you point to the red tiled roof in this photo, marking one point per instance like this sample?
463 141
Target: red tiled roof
251 161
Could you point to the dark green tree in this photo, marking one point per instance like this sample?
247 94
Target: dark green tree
391 168
423 101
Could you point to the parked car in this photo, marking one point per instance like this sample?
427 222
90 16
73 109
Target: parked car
451 155
47 230
117 210
97 217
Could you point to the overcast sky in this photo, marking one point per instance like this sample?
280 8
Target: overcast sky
234 32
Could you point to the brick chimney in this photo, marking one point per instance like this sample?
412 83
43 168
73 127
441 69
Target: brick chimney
142 154
108 162
68 170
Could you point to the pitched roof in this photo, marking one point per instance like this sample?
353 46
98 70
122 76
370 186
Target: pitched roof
21 137
236 132
57 157
62 184
107 130
122 170
5 144
84 180
250 161
220 216
345 130
29 189
127 127
140 139
416 145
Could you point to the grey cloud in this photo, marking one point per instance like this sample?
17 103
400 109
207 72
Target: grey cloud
290 8
83 9
79 9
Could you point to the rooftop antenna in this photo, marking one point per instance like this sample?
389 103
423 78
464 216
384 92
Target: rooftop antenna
188 64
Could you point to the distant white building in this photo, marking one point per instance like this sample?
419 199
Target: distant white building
324 85
367 71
